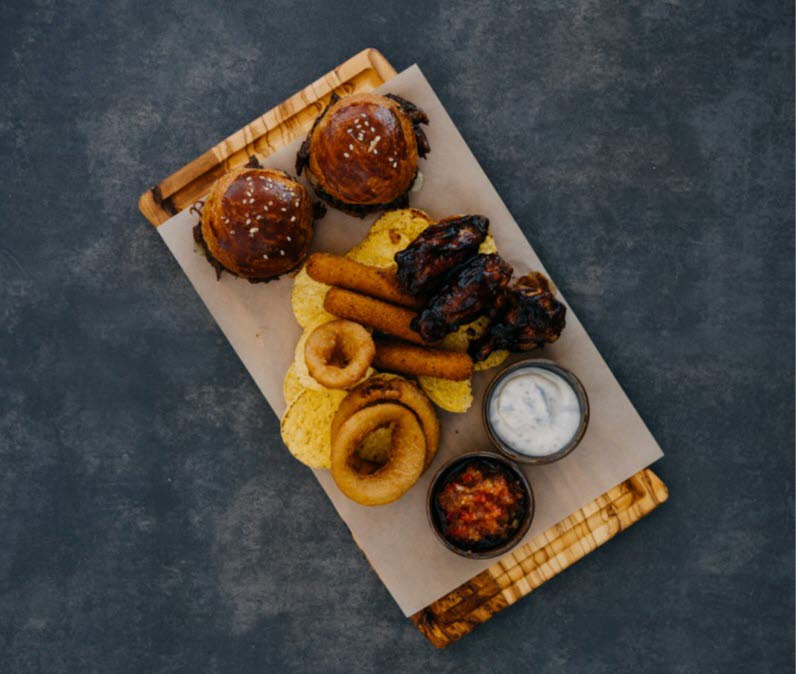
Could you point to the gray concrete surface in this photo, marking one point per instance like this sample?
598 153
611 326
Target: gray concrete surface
150 519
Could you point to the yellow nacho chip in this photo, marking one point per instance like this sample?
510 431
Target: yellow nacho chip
306 426
291 386
408 221
492 360
376 250
460 339
488 246
391 233
306 298
453 396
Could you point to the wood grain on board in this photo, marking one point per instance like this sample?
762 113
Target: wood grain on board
525 568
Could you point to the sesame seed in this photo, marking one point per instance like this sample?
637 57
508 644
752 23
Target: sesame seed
293 219
297 203
270 203
283 209
346 155
231 231
253 231
350 147
259 217
251 201
289 239
248 221
362 114
281 252
265 257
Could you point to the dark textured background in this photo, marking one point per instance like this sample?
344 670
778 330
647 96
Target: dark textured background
150 519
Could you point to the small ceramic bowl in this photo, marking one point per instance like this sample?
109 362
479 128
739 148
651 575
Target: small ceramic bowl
459 463
567 376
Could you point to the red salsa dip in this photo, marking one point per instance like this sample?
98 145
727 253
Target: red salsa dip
480 504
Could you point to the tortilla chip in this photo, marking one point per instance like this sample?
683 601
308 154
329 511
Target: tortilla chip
291 386
391 233
492 360
306 426
306 298
453 396
408 221
460 340
488 246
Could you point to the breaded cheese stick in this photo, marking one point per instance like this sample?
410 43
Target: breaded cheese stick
379 315
395 356
344 273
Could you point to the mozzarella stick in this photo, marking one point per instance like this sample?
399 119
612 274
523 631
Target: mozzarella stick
344 273
379 315
395 356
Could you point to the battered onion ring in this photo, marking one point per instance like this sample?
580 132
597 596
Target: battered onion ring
382 388
339 353
404 464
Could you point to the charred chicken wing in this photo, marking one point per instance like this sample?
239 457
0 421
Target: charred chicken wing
529 318
476 288
423 264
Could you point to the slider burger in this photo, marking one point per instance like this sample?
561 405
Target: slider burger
256 224
362 152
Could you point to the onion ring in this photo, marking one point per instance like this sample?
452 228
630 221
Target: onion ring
339 353
382 388
404 463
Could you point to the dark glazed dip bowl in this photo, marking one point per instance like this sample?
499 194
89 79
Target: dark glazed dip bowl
455 504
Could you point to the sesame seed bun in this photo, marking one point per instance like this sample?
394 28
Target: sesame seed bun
363 153
257 223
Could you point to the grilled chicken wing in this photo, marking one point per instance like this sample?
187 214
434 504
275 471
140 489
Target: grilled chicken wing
476 288
530 317
423 264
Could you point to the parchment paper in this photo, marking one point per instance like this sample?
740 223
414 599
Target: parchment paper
396 538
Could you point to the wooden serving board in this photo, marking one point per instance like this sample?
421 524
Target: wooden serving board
525 568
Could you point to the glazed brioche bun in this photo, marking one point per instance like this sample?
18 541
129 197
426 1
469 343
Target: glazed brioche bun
257 223
363 153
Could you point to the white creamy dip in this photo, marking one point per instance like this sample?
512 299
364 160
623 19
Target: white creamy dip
534 411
